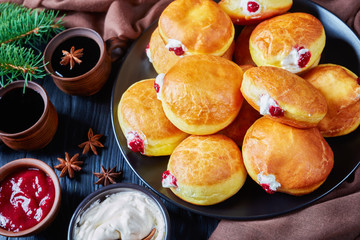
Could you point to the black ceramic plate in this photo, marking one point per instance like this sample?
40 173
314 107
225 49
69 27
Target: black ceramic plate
251 202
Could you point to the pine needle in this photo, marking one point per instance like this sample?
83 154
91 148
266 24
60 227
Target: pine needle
23 25
19 61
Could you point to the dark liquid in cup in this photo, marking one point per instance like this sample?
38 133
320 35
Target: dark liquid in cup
19 111
91 55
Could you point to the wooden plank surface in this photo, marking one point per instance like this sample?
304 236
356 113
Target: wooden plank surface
76 116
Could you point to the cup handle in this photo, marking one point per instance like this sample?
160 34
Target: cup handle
112 44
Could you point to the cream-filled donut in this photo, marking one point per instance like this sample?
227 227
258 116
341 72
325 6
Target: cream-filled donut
196 27
292 41
283 96
205 170
341 89
162 59
201 94
143 122
281 158
244 12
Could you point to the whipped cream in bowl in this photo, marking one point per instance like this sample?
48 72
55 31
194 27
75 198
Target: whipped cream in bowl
120 211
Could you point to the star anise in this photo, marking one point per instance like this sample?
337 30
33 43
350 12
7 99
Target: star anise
107 176
92 143
69 165
72 57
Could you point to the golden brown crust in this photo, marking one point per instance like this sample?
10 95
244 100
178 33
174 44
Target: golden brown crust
201 93
267 9
304 106
273 39
242 54
237 129
230 52
246 67
208 169
201 25
163 59
342 92
300 159
139 110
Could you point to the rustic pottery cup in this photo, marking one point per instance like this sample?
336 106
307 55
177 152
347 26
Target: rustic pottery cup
42 132
92 81
15 165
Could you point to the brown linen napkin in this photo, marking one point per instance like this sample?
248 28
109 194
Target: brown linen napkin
336 216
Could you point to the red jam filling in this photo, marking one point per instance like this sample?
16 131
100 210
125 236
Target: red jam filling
26 197
177 50
252 6
167 174
303 58
147 47
267 189
358 80
276 111
157 87
136 144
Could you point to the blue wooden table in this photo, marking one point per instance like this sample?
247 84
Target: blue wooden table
76 116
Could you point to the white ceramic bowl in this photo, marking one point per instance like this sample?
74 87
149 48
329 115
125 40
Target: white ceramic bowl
101 195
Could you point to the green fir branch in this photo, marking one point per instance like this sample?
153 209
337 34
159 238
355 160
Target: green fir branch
18 62
23 25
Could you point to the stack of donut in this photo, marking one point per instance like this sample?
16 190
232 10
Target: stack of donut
221 114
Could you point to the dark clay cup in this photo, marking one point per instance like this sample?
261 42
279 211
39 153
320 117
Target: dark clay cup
42 132
92 81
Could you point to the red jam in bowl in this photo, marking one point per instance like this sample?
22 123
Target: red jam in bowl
26 197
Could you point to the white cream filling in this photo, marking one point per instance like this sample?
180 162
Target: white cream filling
148 54
167 182
159 80
244 6
269 180
130 135
173 43
291 62
265 103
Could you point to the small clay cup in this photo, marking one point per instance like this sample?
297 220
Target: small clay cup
92 81
42 132
15 165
